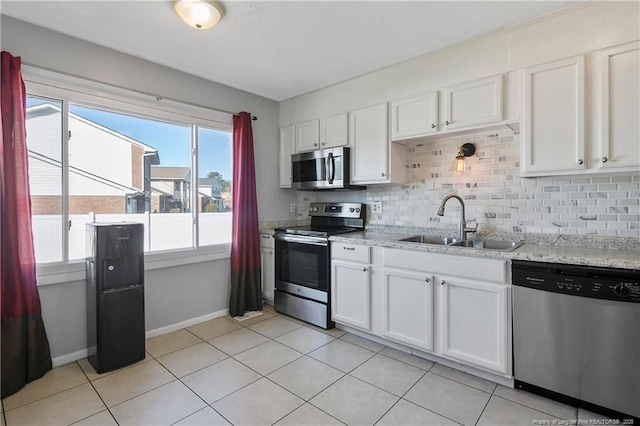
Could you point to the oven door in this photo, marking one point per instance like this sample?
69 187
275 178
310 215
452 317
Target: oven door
302 266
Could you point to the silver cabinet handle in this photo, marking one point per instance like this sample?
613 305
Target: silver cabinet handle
364 269
433 126
348 248
446 122
382 174
580 162
324 143
315 144
427 280
443 282
605 159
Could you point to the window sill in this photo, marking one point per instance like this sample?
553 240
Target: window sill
75 270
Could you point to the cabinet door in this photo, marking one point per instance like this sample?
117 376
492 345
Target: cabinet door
334 131
287 147
369 135
414 117
408 308
553 123
267 263
620 94
473 103
308 136
351 294
474 322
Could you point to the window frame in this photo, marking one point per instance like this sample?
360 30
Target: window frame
71 90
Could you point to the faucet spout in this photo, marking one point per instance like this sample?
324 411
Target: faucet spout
464 230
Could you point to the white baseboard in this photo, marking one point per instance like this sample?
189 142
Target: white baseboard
76 356
68 358
188 323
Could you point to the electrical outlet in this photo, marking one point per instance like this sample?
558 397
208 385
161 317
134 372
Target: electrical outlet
293 207
376 207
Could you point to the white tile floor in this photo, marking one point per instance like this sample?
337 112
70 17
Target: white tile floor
269 370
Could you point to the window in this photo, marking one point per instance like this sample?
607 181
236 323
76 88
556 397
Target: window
170 172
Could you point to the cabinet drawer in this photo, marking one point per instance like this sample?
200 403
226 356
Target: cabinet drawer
266 241
493 270
351 252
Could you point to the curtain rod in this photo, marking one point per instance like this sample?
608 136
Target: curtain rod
158 97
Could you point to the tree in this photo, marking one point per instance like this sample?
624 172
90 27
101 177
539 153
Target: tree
224 183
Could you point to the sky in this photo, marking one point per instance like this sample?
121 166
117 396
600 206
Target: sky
172 141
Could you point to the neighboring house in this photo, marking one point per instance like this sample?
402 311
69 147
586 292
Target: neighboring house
170 189
108 171
210 193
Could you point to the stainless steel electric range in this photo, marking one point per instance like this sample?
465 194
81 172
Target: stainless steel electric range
303 261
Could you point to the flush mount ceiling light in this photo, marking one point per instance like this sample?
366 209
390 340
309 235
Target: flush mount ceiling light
199 14
460 164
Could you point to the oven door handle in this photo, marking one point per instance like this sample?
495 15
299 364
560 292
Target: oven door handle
289 238
331 165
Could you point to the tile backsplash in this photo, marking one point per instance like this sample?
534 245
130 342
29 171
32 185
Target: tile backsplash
495 194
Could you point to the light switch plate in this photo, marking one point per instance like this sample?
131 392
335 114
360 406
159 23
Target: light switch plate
376 207
293 208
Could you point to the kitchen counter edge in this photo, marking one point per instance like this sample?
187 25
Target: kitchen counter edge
624 259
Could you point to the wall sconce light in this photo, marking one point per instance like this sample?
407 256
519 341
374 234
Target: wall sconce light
199 14
460 164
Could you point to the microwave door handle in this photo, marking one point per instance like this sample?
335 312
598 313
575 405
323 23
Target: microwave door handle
331 165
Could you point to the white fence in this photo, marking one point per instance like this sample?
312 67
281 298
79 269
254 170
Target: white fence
164 231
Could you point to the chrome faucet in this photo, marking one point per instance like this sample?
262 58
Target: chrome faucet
464 229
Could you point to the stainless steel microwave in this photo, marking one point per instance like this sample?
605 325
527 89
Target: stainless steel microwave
322 169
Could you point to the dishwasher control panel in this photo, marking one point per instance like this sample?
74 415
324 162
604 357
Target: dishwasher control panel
601 283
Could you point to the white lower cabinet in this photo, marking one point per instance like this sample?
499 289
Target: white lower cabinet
351 294
474 322
426 301
267 264
408 308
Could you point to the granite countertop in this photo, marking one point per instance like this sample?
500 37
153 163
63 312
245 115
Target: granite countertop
588 256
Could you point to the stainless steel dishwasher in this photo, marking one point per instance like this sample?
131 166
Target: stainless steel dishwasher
576 335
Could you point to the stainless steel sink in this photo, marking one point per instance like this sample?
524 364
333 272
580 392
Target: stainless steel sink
489 244
431 239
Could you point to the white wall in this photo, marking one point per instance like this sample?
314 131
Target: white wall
576 30
173 294
56 51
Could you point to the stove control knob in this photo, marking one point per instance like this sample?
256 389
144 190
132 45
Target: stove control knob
357 209
621 290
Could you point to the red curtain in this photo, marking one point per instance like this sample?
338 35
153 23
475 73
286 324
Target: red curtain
25 349
246 291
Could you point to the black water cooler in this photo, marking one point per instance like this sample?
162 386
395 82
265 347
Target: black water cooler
115 294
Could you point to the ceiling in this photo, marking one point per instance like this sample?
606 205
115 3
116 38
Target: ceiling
280 49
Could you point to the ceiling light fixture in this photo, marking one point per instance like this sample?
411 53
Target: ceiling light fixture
199 14
460 164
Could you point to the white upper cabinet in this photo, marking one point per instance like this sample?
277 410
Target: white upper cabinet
620 107
415 116
287 148
334 131
474 103
374 159
328 132
307 136
553 118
